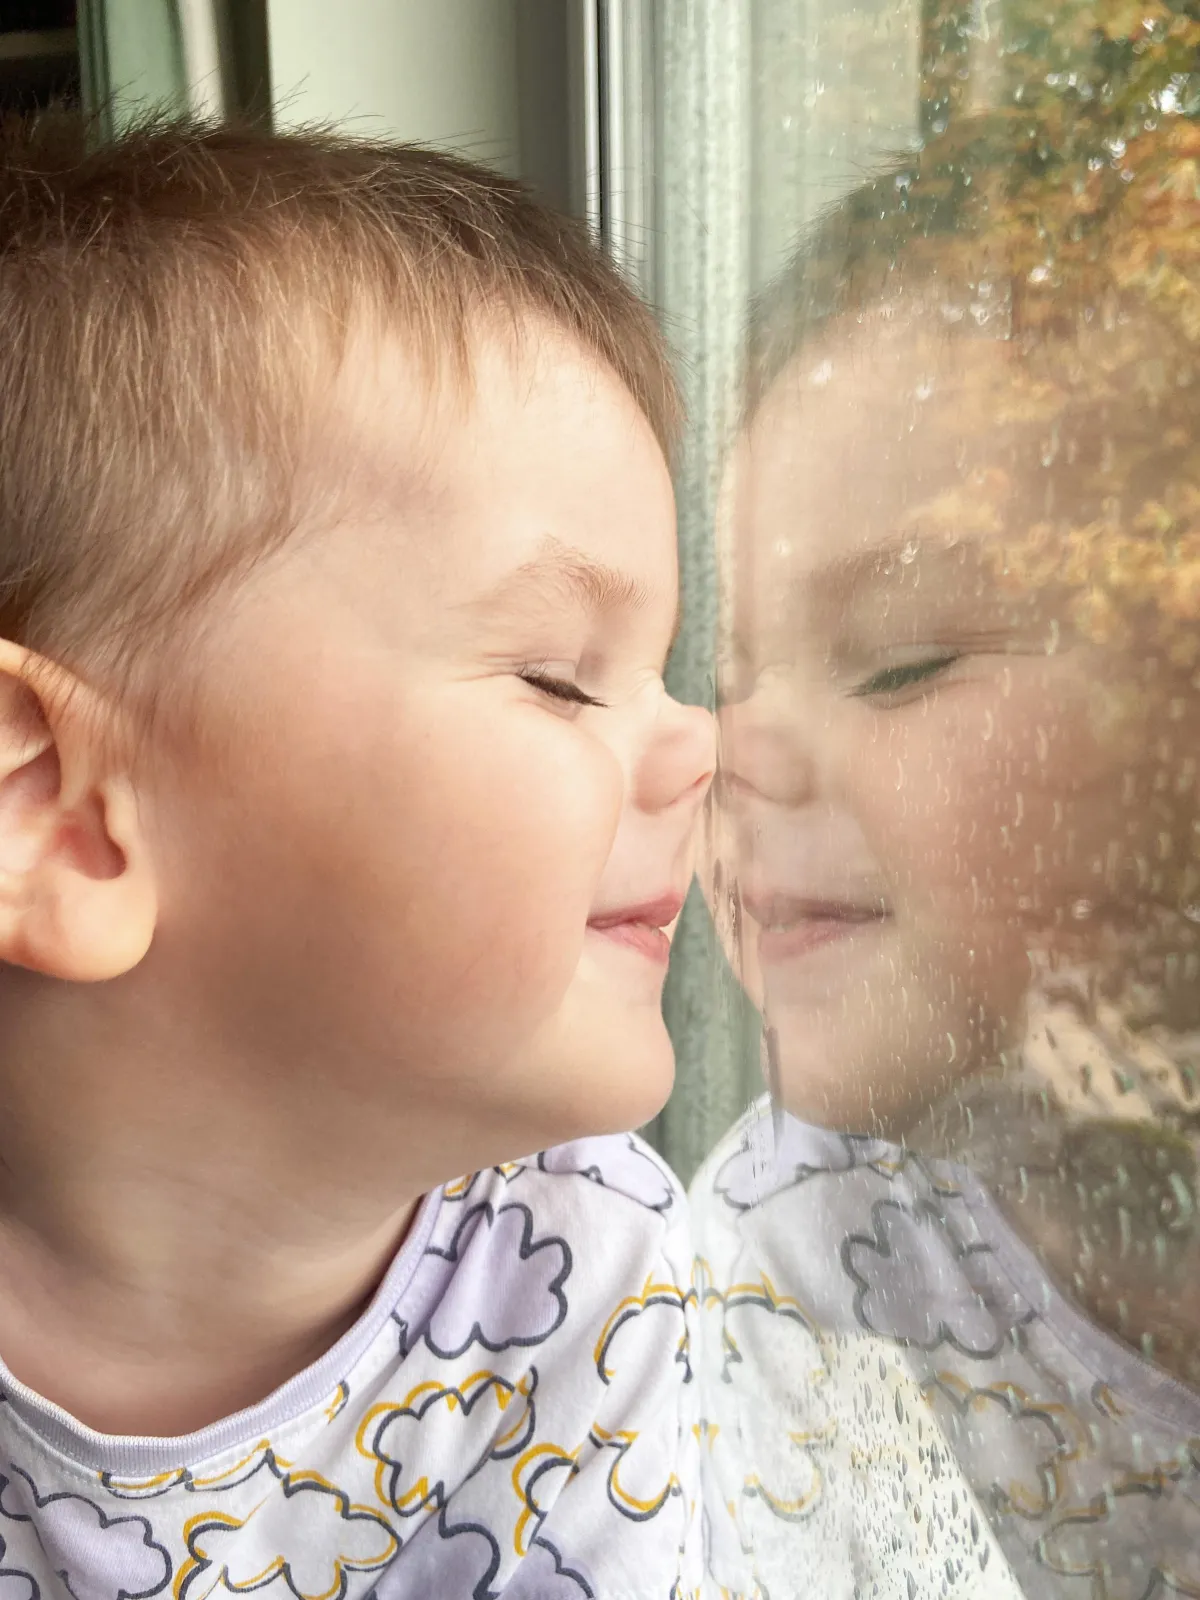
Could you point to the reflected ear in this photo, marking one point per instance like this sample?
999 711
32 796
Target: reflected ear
77 894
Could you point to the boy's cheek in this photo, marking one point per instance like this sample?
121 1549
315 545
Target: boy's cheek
513 856
979 803
436 889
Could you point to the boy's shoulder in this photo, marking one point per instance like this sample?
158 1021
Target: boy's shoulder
766 1153
560 1284
623 1176
511 1255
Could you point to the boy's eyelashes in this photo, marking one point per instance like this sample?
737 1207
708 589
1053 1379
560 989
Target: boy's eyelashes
737 683
557 688
895 680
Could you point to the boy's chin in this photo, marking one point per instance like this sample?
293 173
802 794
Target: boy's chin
623 1067
876 1082
628 963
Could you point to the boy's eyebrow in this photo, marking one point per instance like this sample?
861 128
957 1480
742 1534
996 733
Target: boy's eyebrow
843 577
827 593
575 576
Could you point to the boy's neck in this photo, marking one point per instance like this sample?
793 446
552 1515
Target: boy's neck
169 1257
59 1336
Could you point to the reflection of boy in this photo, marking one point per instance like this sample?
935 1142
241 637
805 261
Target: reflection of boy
342 812
962 804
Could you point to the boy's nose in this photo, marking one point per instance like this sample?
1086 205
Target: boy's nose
681 763
762 758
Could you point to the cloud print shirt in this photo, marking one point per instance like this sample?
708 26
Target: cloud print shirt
510 1417
902 1404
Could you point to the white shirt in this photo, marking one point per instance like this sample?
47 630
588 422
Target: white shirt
905 1407
510 1417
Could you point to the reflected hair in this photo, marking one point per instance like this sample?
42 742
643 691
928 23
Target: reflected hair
1079 251
993 227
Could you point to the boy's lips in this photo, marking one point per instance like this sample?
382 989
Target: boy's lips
794 925
641 927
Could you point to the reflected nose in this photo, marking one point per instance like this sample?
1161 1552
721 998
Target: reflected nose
764 756
682 759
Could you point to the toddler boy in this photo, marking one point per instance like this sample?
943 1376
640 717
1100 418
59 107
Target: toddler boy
344 819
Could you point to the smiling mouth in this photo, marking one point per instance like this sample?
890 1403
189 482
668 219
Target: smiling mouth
640 928
794 927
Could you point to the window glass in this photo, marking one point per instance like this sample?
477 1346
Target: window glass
135 58
949 1260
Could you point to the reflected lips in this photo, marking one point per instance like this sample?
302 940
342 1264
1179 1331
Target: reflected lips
641 927
791 927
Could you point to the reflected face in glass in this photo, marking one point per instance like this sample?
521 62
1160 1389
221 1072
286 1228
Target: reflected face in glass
933 774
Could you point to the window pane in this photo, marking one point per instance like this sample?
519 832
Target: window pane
945 294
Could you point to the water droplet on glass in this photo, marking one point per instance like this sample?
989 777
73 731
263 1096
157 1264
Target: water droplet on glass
821 374
1169 96
1192 911
1112 864
1081 910
909 551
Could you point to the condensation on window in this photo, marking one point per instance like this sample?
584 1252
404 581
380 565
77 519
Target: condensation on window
949 1262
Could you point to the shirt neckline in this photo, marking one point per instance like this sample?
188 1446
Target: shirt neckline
148 1454
1163 1397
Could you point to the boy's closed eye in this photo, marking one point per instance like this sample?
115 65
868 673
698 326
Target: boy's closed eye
561 689
900 679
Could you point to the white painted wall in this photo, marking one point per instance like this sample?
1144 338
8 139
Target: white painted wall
442 71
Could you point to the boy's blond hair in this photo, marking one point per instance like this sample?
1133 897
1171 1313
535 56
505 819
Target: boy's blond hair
173 307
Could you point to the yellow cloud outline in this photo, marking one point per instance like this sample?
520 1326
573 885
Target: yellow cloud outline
653 1293
199 1562
416 1404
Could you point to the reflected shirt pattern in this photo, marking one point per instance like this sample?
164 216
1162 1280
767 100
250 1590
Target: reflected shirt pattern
510 1417
900 1403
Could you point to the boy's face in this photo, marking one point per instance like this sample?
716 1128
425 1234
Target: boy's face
420 876
927 776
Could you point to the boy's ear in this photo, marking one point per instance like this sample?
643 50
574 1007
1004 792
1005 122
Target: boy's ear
77 893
